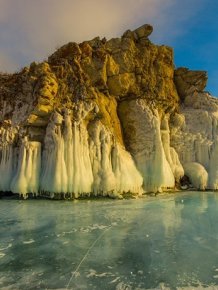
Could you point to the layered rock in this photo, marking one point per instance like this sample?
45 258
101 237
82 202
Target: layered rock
106 118
189 81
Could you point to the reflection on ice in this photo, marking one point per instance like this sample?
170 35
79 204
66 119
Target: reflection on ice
169 242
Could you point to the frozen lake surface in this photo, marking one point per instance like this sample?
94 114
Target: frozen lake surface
165 242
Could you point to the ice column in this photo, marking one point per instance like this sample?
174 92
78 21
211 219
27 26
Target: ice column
128 179
113 168
171 154
66 162
54 173
213 167
82 177
26 179
162 175
100 153
6 167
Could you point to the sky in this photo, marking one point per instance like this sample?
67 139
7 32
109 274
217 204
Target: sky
30 30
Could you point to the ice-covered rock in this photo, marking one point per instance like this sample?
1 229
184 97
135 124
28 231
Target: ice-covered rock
148 143
197 175
107 117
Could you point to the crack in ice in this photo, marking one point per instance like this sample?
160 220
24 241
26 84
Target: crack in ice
85 256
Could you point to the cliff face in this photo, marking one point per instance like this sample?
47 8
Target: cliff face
107 118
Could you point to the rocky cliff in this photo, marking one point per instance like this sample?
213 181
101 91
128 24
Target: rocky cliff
107 117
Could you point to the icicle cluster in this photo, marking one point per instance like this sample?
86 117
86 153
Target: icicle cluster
73 163
80 156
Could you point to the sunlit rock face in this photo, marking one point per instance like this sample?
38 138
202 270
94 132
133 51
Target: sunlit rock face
106 118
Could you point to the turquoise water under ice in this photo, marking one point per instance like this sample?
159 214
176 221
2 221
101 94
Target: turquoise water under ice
169 241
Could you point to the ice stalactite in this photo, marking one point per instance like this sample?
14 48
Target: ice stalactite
26 179
128 178
54 174
100 153
78 162
202 148
213 167
66 164
81 166
176 165
148 143
162 175
6 167
7 157
170 152
114 170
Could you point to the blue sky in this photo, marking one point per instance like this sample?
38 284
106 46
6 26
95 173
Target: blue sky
32 29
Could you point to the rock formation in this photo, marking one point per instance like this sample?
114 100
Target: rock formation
107 118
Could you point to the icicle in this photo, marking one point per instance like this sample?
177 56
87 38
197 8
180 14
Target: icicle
66 162
154 167
83 177
162 176
128 179
6 167
113 168
54 173
170 153
26 179
213 167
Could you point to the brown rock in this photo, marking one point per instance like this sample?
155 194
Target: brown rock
106 72
143 31
188 81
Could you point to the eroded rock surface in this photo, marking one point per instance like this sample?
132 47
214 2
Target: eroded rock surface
106 117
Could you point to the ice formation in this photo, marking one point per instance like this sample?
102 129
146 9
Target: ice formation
74 162
79 159
114 170
7 157
150 147
197 174
26 178
213 167
194 135
6 167
107 117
